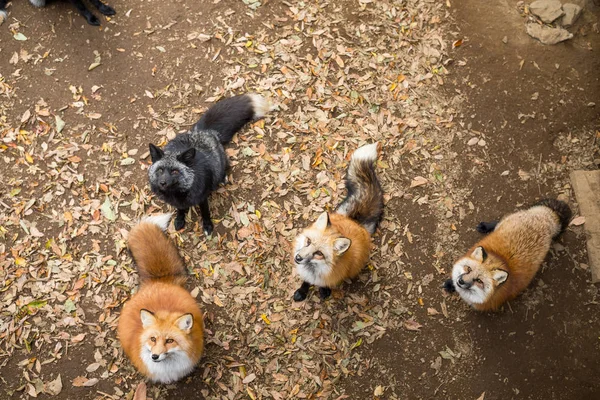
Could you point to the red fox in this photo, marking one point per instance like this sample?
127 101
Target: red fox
337 245
161 327
501 265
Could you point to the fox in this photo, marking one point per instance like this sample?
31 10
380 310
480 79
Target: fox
161 327
337 246
104 9
502 264
194 163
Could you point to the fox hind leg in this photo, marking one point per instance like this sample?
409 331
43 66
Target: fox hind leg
302 292
486 227
180 219
91 18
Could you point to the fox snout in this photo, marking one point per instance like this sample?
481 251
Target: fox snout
158 357
298 259
462 283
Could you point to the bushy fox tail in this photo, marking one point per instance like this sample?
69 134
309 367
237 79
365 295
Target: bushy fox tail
364 202
155 255
229 115
562 211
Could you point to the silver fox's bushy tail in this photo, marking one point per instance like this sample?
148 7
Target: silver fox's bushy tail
229 115
364 202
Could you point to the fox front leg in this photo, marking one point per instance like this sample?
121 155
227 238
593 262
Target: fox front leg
103 8
302 292
207 224
486 227
180 219
324 292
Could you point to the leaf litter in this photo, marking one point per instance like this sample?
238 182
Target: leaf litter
338 82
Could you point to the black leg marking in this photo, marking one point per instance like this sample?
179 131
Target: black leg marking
324 292
486 227
449 286
103 8
207 224
180 219
91 18
302 292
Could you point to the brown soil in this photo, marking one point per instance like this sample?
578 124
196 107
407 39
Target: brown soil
543 345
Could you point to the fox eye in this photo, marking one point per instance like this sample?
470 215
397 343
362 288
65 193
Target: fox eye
153 339
478 280
318 254
175 172
307 241
160 170
169 341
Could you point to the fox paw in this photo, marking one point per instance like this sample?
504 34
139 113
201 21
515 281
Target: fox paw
208 228
324 292
106 10
92 20
300 295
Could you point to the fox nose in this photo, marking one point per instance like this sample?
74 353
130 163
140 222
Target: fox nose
461 283
298 258
155 356
162 183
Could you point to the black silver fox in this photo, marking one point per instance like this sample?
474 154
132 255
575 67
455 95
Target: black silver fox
193 164
83 10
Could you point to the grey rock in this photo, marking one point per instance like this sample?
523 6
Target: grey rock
546 34
572 12
547 10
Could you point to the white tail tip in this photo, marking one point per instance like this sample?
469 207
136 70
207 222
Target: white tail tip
3 16
160 220
260 105
366 153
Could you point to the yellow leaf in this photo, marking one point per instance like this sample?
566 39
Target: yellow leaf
29 158
266 319
20 261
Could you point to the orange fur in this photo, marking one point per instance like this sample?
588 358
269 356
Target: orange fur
349 264
162 275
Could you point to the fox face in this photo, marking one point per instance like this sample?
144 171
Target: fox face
475 279
171 172
165 339
316 250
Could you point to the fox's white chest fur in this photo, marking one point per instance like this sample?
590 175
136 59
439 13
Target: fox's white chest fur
175 366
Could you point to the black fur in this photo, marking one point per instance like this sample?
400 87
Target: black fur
220 118
87 14
561 209
193 164
449 286
324 292
486 227
302 292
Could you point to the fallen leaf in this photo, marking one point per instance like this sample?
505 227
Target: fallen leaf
578 221
412 325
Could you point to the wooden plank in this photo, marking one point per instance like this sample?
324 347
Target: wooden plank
586 185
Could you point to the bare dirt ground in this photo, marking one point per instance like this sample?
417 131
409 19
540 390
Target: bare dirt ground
469 132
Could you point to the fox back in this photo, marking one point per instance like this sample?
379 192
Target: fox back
501 265
332 249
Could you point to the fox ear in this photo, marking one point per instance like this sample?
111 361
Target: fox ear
341 245
155 153
479 254
500 276
185 322
147 318
323 221
187 157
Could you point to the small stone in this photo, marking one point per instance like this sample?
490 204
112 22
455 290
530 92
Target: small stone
505 39
546 34
572 12
547 10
